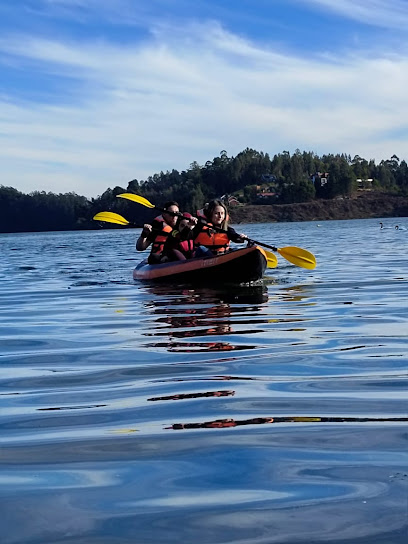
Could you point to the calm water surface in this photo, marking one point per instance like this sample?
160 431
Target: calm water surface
139 414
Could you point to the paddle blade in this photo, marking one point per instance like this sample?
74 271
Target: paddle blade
271 259
298 256
136 198
110 217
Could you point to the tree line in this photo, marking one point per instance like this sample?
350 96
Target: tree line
251 177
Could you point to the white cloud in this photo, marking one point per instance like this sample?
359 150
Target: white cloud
183 96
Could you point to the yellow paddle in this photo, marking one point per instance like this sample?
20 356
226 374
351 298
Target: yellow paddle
271 259
110 217
144 202
295 255
140 200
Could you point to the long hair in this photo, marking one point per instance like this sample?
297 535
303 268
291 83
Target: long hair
209 209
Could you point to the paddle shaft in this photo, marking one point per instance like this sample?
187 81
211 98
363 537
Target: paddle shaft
263 244
295 255
127 225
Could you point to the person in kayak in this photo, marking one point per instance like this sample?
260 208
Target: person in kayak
158 232
215 214
180 245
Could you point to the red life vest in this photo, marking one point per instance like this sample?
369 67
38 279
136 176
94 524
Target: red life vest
187 248
161 237
217 242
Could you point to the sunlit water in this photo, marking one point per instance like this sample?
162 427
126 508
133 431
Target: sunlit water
139 414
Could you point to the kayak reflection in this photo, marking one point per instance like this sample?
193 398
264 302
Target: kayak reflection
201 312
199 347
182 396
225 423
254 294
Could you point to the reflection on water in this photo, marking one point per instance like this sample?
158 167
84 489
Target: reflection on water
289 398
231 294
222 423
196 395
202 312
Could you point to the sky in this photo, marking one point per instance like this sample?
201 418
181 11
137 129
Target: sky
95 93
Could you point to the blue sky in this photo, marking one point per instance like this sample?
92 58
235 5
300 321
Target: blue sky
94 93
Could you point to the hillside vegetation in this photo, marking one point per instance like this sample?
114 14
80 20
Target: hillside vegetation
297 187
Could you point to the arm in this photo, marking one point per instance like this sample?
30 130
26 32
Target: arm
145 238
235 237
190 230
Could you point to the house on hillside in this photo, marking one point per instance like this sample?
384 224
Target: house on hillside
266 194
320 176
266 197
268 178
364 184
230 200
233 201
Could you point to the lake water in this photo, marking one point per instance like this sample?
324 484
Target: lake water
139 414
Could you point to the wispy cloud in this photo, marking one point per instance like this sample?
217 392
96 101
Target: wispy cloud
184 94
381 13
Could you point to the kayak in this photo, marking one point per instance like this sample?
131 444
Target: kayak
236 266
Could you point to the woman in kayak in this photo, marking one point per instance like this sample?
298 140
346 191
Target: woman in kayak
215 214
158 232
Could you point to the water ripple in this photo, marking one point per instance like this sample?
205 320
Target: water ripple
274 413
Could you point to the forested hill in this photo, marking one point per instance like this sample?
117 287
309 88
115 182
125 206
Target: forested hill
362 205
251 182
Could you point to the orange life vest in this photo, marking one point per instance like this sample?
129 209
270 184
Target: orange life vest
217 242
161 237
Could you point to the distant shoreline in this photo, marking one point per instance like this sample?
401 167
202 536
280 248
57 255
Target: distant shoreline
363 205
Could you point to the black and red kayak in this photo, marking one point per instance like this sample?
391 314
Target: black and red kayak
236 266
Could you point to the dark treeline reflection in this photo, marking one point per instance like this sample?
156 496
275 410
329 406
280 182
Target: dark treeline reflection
251 177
